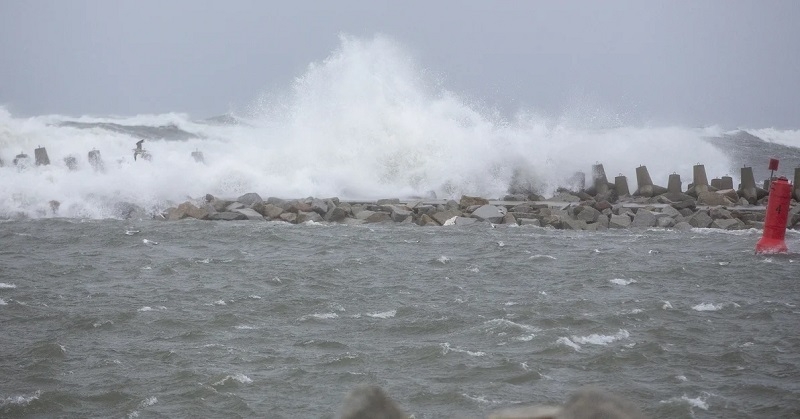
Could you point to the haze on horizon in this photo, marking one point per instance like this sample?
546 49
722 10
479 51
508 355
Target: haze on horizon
697 63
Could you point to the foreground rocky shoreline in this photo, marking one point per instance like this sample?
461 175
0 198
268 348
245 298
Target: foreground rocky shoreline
565 210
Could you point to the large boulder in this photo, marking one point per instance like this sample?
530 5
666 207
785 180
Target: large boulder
713 199
304 217
700 219
399 213
468 201
336 214
460 221
250 213
670 211
644 219
228 216
319 206
249 199
442 216
619 221
490 213
570 224
426 220
378 217
588 214
271 211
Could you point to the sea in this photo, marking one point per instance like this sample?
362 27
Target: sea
106 312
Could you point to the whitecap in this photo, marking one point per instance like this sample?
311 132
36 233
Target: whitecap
473 269
620 281
148 401
145 308
254 297
245 327
566 341
447 348
695 402
145 241
241 378
667 305
383 315
219 303
708 307
21 401
3 302
443 259
500 244
4 285
321 316
596 339
542 257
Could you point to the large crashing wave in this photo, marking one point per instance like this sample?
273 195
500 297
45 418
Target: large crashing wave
366 122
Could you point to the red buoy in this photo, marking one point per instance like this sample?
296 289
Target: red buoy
773 240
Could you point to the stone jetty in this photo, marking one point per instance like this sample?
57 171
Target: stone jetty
567 210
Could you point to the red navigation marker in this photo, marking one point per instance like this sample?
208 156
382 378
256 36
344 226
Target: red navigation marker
774 238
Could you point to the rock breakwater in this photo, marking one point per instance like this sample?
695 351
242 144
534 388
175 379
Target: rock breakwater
566 210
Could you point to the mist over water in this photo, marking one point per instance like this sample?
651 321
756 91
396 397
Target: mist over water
366 122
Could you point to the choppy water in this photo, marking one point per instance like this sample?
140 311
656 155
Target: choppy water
249 319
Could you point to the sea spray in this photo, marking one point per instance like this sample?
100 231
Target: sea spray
366 122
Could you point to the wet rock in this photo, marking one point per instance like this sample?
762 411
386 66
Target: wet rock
460 221
378 217
370 402
588 214
228 216
728 224
319 206
490 213
683 226
468 201
700 219
336 214
530 222
250 214
249 199
509 219
619 221
304 217
392 201
570 224
289 217
713 199
234 206
644 219
443 216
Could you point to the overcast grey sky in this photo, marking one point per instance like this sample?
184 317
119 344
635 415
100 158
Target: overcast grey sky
734 63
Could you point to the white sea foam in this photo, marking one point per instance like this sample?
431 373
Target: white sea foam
708 307
4 285
321 316
566 341
3 302
667 305
542 257
383 315
219 303
145 308
620 281
239 377
698 402
595 339
367 121
473 269
443 259
446 348
21 400
245 327
254 297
